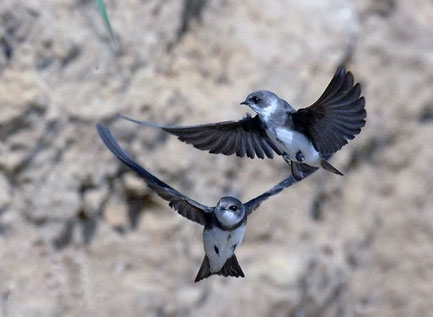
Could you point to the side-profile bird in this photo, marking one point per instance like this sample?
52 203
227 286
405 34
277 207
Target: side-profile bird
305 138
224 224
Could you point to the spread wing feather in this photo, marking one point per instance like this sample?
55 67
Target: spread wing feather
254 203
336 117
243 137
185 206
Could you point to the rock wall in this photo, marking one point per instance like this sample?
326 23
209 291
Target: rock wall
81 235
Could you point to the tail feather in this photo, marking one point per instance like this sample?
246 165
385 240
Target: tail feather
231 268
301 170
204 271
327 166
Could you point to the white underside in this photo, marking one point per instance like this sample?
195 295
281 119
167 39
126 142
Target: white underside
224 241
290 142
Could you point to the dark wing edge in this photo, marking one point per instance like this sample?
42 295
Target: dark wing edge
243 137
254 203
336 117
185 206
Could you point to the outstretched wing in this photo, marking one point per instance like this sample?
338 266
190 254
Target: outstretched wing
185 206
244 137
336 117
254 203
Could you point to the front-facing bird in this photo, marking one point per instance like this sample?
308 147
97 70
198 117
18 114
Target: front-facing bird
224 224
305 138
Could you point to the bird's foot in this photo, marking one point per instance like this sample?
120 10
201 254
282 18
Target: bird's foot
300 157
286 157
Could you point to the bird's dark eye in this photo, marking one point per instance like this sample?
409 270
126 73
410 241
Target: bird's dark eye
233 208
255 99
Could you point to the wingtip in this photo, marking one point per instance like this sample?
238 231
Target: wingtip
341 70
102 129
147 124
121 116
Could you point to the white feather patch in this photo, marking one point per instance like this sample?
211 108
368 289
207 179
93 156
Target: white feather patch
267 112
291 142
224 241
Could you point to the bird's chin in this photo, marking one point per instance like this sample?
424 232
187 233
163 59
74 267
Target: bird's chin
248 104
228 219
254 108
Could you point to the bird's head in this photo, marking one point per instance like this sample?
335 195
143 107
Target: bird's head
229 211
264 102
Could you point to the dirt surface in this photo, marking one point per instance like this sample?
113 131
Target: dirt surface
80 235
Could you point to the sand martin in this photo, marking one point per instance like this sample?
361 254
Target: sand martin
224 224
305 138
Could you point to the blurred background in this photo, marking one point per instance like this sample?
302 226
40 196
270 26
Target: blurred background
82 236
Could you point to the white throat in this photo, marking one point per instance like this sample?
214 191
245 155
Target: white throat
227 218
267 112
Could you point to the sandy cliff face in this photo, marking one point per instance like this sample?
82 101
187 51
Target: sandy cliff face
81 235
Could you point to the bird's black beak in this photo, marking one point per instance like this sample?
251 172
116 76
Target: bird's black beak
245 103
